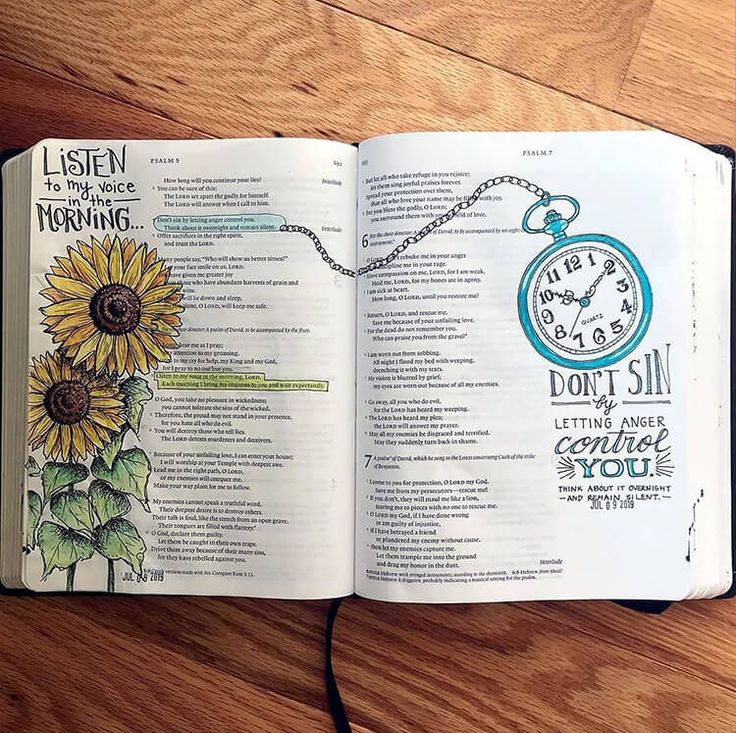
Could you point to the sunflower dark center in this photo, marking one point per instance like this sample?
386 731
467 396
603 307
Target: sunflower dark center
115 309
67 402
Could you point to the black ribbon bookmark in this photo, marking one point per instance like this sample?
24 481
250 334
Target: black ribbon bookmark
337 709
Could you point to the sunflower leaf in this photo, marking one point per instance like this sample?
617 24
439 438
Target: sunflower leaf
118 539
61 547
32 467
110 450
34 507
57 476
136 393
73 509
107 502
129 474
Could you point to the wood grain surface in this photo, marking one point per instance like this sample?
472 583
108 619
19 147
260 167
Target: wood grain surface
348 69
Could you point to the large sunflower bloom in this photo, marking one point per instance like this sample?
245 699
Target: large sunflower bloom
112 306
71 412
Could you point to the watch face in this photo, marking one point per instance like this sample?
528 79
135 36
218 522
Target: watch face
585 302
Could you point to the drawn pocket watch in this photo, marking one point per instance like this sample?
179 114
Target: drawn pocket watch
584 301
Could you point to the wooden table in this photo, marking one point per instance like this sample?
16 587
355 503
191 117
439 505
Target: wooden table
349 69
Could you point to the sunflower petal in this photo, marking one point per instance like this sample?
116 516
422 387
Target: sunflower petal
152 346
78 441
103 351
161 307
134 268
163 277
51 444
121 352
66 439
101 417
81 333
127 247
70 286
36 384
72 322
161 292
87 348
66 307
65 265
148 276
106 402
137 350
40 429
85 251
116 262
130 361
52 294
84 268
150 258
100 258
97 437
165 341
42 371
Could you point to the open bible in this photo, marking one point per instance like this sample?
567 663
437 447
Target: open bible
432 367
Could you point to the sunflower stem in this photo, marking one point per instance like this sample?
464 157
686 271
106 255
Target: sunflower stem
70 571
110 576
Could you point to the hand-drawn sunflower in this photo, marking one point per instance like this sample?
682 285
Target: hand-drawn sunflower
112 306
71 412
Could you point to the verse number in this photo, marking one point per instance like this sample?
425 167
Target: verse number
368 457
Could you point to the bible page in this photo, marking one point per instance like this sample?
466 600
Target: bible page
523 367
192 368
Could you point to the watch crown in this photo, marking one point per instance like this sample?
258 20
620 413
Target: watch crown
554 224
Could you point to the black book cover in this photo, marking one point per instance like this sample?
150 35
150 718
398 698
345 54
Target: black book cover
642 606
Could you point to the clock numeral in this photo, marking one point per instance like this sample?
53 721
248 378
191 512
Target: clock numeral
572 263
626 307
553 276
609 266
590 257
616 326
560 332
547 296
623 286
599 336
579 337
547 316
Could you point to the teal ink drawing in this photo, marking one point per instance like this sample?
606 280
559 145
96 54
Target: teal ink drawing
220 223
584 302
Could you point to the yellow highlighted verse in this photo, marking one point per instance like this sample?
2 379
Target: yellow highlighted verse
237 380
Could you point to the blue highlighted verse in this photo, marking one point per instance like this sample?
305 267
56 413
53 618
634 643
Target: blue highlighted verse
220 223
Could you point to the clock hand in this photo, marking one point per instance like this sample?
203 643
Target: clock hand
572 330
591 290
567 297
